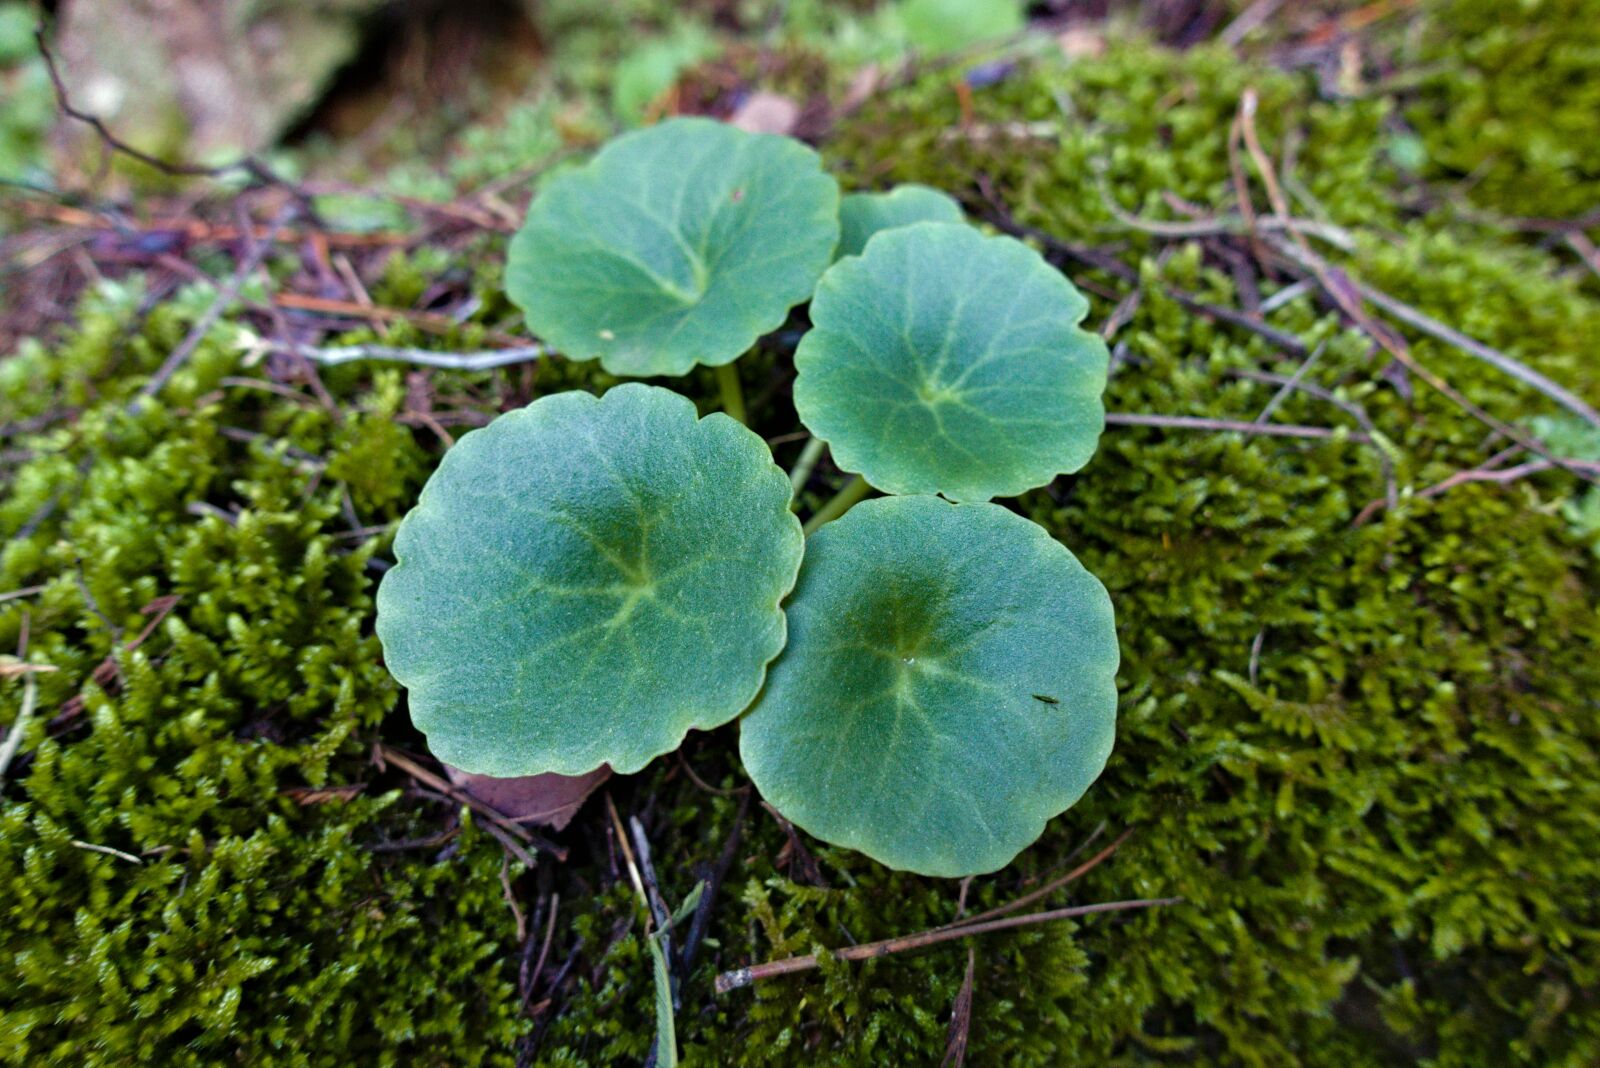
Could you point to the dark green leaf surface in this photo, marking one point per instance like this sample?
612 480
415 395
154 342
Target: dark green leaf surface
676 245
863 214
944 361
585 580
948 686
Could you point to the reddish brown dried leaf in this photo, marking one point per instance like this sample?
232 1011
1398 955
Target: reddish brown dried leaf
547 800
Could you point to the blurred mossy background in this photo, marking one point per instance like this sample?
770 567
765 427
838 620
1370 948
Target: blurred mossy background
1366 755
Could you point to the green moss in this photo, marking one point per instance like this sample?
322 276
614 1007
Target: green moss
1506 102
1381 820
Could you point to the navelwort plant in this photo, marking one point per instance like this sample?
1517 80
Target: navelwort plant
928 679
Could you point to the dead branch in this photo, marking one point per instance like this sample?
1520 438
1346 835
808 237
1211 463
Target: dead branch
252 166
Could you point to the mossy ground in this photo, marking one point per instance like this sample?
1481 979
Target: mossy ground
1364 755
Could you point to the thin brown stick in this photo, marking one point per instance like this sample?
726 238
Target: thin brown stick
1579 242
1356 412
1485 473
1342 296
432 322
1341 292
742 977
1222 225
544 951
1291 384
1048 888
1522 224
199 230
694 777
1472 347
1253 17
515 850
226 295
1100 260
404 844
250 165
107 850
1505 474
511 898
1286 341
384 754
1186 422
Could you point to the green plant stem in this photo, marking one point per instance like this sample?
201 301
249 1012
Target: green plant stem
732 392
840 503
803 467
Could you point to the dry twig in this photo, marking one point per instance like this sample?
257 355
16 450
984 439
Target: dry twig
255 168
1186 422
1342 292
1048 888
741 977
451 361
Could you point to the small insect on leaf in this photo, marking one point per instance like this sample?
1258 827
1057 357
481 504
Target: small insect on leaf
1046 698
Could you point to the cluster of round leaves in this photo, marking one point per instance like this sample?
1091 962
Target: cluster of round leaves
929 678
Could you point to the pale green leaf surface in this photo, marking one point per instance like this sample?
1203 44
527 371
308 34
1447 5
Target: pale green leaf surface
583 581
946 25
677 244
949 686
945 361
651 68
861 215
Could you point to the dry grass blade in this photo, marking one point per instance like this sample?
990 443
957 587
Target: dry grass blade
955 1050
30 695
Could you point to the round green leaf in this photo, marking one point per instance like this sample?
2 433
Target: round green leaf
678 244
585 579
863 214
944 361
948 686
